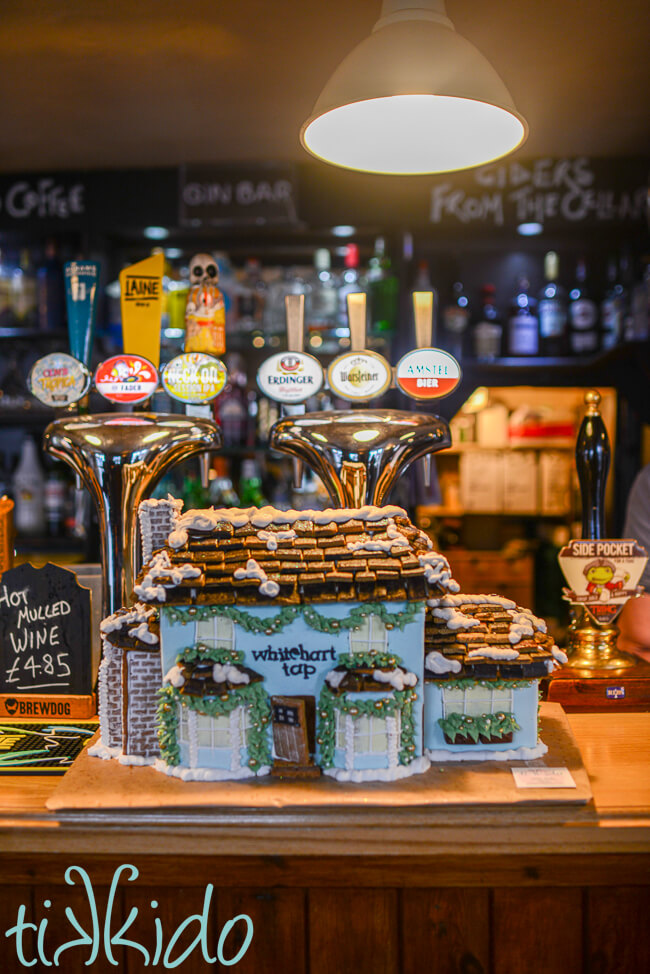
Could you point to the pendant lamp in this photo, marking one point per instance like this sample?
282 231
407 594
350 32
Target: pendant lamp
414 97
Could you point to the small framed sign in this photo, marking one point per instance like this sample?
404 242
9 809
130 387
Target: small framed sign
290 377
359 376
126 379
194 378
44 633
427 373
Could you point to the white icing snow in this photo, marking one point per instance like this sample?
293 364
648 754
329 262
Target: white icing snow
437 571
397 678
380 774
262 517
394 539
559 654
334 678
144 634
101 750
493 652
174 676
519 631
136 759
208 774
272 537
446 600
254 570
455 619
222 672
435 662
159 567
138 613
511 754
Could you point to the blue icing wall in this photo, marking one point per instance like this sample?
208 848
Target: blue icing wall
295 661
524 700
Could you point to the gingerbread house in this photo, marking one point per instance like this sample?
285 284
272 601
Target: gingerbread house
293 642
484 658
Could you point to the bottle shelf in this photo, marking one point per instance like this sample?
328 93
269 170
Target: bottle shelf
28 334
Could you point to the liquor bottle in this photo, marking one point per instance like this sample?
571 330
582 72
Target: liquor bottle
583 314
54 500
250 485
231 408
287 282
23 292
221 491
383 287
422 280
50 291
523 334
321 304
28 489
252 297
488 331
612 308
455 318
351 282
6 274
552 310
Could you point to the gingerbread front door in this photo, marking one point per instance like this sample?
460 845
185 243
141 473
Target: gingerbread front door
291 731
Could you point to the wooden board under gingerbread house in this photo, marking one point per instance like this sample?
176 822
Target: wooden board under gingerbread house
95 784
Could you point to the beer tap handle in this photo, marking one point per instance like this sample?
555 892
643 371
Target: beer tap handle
357 320
423 314
593 456
295 309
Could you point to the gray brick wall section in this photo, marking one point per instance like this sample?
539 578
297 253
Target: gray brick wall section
142 700
110 696
156 523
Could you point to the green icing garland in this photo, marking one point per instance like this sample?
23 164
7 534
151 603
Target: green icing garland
288 613
251 695
467 683
329 703
489 725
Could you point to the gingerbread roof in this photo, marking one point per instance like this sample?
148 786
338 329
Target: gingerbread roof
486 637
134 628
262 556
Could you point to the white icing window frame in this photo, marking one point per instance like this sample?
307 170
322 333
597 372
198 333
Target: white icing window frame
492 707
239 724
372 632
220 632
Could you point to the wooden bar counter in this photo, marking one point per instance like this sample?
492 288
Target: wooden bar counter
534 889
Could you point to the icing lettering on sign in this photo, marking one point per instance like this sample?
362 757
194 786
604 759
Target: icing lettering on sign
45 198
567 190
286 655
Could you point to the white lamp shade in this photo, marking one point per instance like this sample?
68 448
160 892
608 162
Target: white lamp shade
414 97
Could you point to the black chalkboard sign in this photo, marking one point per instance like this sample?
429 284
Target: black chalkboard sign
249 194
44 631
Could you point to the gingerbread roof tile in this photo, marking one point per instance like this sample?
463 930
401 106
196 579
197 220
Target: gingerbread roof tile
257 556
486 637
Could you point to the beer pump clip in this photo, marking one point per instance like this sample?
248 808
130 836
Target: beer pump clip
359 375
61 380
427 372
292 377
602 573
131 377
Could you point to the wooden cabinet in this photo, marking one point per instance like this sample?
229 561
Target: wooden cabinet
491 571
